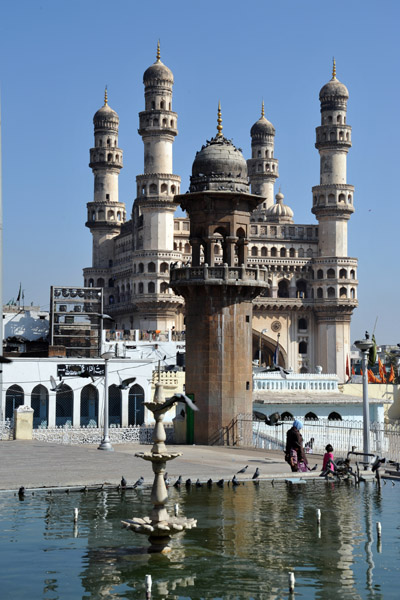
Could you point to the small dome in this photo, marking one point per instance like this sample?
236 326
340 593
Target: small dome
219 165
158 71
334 88
106 117
262 127
280 212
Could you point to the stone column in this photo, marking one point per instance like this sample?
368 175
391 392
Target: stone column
51 417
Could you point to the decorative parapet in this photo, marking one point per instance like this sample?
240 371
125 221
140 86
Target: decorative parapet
296 382
220 275
94 435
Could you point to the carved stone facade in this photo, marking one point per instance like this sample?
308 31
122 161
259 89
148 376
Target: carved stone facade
312 283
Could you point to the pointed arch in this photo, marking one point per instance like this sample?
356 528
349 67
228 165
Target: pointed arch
14 399
40 405
135 405
114 405
89 406
64 405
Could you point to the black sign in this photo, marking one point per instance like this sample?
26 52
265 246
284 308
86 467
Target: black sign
81 370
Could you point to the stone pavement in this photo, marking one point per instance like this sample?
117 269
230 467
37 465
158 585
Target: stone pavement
36 464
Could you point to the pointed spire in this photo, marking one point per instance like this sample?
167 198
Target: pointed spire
334 69
105 97
158 55
219 121
262 110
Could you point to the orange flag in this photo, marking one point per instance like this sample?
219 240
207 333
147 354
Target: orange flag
381 371
353 372
391 375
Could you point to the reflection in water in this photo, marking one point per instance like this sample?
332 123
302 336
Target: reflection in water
246 542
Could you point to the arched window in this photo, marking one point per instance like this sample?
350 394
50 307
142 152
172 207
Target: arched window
343 274
135 405
301 289
100 282
292 252
164 267
274 252
341 198
254 251
162 105
352 293
334 416
40 404
114 405
141 268
151 267
164 122
283 253
331 274
331 292
187 248
164 287
300 253
264 251
309 252
310 416
14 398
153 188
140 288
302 324
286 416
108 143
352 274
151 288
91 282
89 406
303 348
109 157
343 292
320 293
110 215
64 405
283 288
320 274
164 188
111 282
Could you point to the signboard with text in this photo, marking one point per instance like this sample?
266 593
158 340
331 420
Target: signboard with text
81 370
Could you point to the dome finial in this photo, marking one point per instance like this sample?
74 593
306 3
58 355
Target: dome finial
105 97
334 69
219 121
262 110
158 55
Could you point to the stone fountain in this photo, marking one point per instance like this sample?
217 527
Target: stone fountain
160 526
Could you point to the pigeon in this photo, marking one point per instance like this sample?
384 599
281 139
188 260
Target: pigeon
188 483
138 483
209 483
56 387
220 483
167 480
21 491
271 420
171 401
244 469
124 383
256 473
178 482
123 482
235 482
198 483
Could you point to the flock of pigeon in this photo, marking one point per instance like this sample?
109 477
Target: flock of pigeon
188 483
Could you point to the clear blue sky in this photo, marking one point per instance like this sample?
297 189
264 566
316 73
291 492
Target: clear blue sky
56 57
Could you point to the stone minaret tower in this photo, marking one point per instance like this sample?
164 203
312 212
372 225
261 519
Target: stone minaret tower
335 281
105 214
262 166
219 297
153 210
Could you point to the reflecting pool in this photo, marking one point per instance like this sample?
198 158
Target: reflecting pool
246 541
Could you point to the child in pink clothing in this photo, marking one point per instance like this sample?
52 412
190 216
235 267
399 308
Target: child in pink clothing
328 459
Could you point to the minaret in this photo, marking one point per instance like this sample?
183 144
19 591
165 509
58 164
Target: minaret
219 297
105 214
335 282
153 210
262 166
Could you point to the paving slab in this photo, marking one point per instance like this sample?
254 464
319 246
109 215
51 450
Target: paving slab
36 464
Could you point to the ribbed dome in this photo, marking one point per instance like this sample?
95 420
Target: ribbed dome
158 71
334 88
262 127
219 165
105 112
279 212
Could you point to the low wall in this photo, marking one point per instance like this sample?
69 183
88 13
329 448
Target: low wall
89 435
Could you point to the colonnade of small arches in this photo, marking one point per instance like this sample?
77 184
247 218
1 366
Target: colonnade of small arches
338 198
335 292
110 215
107 156
108 143
158 104
263 153
155 121
335 135
77 407
280 252
157 189
311 416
